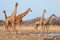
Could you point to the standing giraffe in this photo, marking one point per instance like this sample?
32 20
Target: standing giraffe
6 17
46 23
11 19
48 19
41 20
20 16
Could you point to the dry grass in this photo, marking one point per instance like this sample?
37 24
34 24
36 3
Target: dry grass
33 38
25 31
55 29
22 29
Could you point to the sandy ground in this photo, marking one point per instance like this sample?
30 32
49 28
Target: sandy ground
31 29
32 38
26 33
50 29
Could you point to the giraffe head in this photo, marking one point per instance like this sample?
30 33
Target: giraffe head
16 4
54 15
4 11
44 11
30 9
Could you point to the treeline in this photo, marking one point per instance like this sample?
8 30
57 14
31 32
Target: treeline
53 21
2 22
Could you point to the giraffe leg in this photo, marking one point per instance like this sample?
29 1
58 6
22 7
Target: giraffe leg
37 26
42 27
18 23
46 29
13 27
6 26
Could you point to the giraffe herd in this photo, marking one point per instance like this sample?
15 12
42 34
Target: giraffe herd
42 22
13 19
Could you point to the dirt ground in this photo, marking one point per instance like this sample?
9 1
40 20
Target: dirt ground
25 37
29 33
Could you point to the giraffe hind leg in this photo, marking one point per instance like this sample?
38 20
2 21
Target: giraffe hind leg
13 27
37 26
46 29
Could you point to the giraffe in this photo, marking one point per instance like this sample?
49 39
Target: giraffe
48 19
6 17
40 21
20 16
46 22
11 19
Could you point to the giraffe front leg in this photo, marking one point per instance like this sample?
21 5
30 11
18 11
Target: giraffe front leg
13 27
47 29
18 23
37 26
6 26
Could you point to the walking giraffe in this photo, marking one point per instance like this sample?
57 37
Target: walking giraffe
46 23
20 16
11 19
41 20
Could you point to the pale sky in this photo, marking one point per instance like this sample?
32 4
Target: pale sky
37 6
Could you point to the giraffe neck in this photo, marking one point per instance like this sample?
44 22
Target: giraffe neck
14 12
5 15
49 18
42 17
25 13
